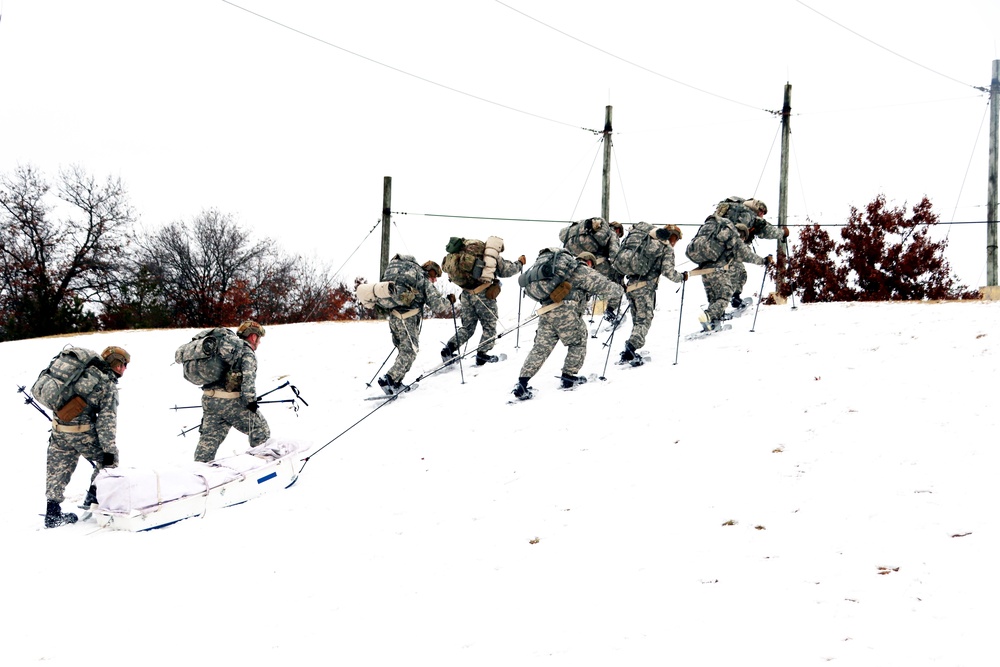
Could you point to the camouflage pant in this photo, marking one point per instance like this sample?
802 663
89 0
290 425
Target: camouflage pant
642 303
719 290
477 309
565 324
739 277
406 338
65 450
220 415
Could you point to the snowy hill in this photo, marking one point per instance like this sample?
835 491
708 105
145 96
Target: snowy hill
822 489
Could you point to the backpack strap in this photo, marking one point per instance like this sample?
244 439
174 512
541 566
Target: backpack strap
403 314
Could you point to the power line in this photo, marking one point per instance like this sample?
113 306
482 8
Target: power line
401 71
909 60
633 64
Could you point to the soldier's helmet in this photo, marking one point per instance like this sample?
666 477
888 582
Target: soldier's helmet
588 257
757 205
619 230
250 327
113 354
431 265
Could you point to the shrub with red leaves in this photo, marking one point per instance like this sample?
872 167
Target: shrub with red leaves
884 256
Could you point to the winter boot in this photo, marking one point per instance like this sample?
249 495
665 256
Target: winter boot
569 381
90 499
54 516
737 301
389 386
482 358
522 391
629 354
609 314
448 353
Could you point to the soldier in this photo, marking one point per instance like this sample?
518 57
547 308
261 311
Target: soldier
563 321
91 434
231 402
751 214
479 305
641 287
725 243
405 321
601 239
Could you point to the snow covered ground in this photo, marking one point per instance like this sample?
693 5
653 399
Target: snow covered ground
820 490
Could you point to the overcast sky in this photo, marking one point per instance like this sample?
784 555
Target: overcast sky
288 114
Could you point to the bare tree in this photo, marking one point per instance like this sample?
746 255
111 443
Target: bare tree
207 269
55 270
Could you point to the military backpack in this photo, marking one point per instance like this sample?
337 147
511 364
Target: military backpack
208 356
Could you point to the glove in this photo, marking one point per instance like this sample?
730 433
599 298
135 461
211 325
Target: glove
451 299
560 292
768 261
108 460
252 406
523 260
684 276
785 230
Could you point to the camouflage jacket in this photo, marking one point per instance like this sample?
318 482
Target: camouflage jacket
102 406
587 282
414 277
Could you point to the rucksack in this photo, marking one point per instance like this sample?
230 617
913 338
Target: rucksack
470 262
396 290
208 356
552 267
706 247
734 209
638 253
579 237
65 378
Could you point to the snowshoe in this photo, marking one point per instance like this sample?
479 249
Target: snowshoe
570 381
522 392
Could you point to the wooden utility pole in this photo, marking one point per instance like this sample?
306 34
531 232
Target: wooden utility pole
786 131
386 207
991 199
606 184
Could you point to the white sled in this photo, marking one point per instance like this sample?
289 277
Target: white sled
136 499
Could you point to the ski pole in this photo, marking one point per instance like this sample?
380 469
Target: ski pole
760 294
29 400
619 318
608 343
517 339
454 320
295 390
677 352
369 383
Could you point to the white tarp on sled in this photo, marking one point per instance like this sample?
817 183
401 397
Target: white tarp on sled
141 499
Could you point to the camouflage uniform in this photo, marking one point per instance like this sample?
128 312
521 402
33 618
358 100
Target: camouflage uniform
739 212
641 290
478 308
564 322
405 329
100 418
220 413
719 285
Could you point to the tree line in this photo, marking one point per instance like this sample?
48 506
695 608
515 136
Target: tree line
72 260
